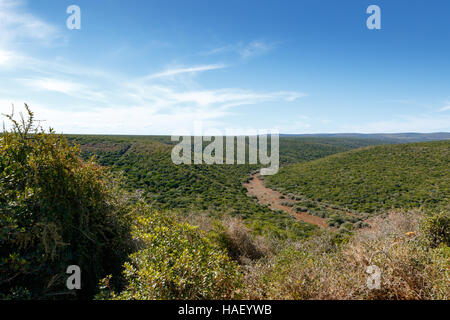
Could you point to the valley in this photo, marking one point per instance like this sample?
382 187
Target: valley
141 227
276 201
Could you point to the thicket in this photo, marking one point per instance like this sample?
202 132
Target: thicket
58 210
216 189
174 260
191 232
55 210
410 250
373 179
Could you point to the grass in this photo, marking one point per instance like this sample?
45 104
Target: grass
323 268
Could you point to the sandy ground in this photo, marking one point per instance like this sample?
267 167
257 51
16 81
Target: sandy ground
272 198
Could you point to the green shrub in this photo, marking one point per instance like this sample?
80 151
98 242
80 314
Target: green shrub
437 228
55 211
175 261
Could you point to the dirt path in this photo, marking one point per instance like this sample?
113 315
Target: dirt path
270 197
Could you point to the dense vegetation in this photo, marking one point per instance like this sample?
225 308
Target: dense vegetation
401 245
174 261
370 180
294 150
143 228
55 211
216 189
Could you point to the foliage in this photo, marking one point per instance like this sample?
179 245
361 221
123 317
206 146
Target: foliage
175 261
323 268
373 179
237 239
216 189
55 211
437 228
294 150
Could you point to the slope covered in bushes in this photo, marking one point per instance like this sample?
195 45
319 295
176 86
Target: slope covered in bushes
216 189
58 210
374 178
174 260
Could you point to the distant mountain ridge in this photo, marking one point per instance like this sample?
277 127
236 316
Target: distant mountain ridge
388 137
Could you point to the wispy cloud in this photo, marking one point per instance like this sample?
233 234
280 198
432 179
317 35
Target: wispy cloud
140 105
245 50
178 71
20 29
227 98
86 99
255 48
446 108
66 87
62 86
17 25
5 57
116 119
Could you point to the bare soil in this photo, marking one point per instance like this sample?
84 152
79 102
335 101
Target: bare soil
272 198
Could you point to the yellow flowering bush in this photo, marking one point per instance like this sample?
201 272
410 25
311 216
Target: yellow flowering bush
176 261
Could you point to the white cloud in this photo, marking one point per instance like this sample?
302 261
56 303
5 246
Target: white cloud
255 48
133 106
17 25
5 57
233 97
66 87
446 108
116 119
19 30
244 50
177 71
84 99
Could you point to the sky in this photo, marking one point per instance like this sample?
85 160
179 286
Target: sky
156 67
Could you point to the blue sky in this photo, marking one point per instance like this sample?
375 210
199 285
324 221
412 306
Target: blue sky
152 67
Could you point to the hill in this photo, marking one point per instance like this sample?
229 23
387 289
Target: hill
215 189
58 210
372 179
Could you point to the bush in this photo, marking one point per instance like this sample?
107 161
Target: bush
55 211
322 269
437 228
175 261
241 245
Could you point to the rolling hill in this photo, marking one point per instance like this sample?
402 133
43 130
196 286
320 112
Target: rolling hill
215 189
372 179
57 210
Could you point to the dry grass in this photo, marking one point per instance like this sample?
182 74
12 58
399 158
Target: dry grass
232 234
319 269
241 245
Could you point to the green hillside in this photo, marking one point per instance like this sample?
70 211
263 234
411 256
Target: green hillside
215 189
299 149
374 178
58 210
